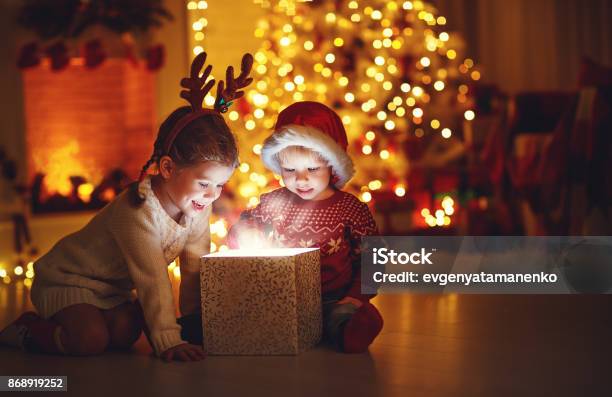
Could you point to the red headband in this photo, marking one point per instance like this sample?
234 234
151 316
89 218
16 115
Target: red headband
182 123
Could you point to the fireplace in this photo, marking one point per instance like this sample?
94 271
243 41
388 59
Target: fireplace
88 131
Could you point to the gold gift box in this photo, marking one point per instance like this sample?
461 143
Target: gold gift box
261 302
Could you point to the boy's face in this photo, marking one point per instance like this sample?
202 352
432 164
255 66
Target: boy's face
306 175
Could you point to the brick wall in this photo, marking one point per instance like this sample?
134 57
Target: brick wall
108 113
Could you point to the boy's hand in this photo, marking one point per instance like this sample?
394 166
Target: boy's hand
184 352
347 299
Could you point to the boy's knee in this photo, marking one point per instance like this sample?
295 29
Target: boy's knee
335 316
361 330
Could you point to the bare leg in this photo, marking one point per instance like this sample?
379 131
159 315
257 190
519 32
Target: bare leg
125 323
84 329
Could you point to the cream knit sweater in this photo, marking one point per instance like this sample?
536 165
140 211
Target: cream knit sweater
123 248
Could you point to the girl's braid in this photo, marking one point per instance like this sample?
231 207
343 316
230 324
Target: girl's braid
152 160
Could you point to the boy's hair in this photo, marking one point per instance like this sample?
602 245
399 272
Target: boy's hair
292 151
208 138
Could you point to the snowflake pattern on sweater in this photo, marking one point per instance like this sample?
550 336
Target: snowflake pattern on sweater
334 225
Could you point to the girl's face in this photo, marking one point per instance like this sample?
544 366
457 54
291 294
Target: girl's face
191 189
306 175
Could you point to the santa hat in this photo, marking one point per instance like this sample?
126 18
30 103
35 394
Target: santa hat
316 127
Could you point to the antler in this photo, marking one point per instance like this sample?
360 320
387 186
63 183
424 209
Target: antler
195 88
225 95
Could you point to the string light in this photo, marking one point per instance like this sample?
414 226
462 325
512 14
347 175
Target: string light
441 217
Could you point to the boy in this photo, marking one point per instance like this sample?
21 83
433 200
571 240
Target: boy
308 149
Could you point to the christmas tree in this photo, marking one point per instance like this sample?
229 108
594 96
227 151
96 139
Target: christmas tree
393 73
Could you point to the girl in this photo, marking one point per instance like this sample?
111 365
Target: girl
82 288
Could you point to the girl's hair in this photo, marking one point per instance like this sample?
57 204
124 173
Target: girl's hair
293 151
208 138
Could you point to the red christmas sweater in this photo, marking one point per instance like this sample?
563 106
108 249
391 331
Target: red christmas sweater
334 225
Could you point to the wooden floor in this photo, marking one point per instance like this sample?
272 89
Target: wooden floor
431 345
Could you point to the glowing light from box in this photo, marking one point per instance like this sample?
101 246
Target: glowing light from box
257 252
219 228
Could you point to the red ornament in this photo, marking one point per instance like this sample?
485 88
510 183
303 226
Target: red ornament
28 56
243 106
130 54
94 54
59 56
156 57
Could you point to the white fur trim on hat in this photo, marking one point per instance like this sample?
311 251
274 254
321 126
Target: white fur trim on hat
311 138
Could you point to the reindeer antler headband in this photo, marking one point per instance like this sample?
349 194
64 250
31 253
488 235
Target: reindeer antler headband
196 89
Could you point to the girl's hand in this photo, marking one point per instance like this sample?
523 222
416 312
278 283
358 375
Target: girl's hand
347 299
184 352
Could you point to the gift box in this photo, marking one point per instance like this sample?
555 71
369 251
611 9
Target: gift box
261 302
